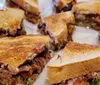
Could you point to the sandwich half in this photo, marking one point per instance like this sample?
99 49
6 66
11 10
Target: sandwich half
31 9
11 22
22 59
88 14
64 5
77 64
59 27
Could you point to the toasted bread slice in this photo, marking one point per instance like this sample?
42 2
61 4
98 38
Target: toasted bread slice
14 51
31 8
29 5
64 5
92 7
58 27
22 58
11 22
75 61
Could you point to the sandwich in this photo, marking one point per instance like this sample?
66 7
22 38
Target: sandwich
31 9
11 22
87 14
22 58
64 5
59 27
77 64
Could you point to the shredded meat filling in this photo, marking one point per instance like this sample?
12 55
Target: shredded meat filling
13 33
30 69
90 20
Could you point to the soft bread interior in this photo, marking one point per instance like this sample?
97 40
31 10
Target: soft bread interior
74 61
11 18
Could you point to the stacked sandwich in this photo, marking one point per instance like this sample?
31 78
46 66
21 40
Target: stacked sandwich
77 64
23 57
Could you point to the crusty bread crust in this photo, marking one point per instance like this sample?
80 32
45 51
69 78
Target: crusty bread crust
11 18
61 69
66 17
92 7
28 5
57 24
14 51
11 22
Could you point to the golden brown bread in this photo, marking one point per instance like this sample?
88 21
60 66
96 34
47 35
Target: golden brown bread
66 17
31 8
76 60
14 51
92 7
58 26
11 21
28 5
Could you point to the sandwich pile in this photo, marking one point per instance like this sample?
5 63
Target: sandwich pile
77 64
23 57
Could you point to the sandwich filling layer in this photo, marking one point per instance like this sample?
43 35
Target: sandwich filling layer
88 20
10 32
27 72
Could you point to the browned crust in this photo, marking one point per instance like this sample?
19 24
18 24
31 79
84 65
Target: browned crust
57 26
66 17
14 51
26 6
92 7
56 74
10 23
